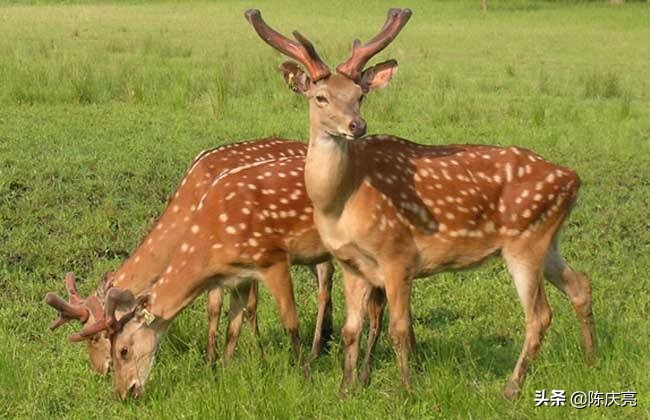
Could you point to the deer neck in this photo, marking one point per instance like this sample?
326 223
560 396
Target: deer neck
330 174
174 291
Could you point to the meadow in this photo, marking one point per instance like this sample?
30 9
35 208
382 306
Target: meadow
104 104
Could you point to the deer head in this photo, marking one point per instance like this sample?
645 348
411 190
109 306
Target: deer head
134 344
334 99
125 326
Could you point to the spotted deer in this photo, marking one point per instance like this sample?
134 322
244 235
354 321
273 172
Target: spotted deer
146 263
250 225
391 210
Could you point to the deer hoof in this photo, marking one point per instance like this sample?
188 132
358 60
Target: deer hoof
512 391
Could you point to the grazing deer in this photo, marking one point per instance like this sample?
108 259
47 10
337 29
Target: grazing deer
391 211
249 225
147 262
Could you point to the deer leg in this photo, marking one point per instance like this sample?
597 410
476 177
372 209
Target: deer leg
236 318
323 330
376 305
398 295
278 281
528 281
356 291
215 302
577 287
251 312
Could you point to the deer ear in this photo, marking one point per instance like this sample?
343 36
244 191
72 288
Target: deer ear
378 76
295 77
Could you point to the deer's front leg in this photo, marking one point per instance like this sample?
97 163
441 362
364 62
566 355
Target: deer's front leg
398 294
357 292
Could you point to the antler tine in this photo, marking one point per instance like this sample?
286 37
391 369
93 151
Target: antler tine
67 311
71 287
302 51
107 322
361 54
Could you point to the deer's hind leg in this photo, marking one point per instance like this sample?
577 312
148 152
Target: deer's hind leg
238 298
525 263
215 303
577 288
323 330
278 280
376 306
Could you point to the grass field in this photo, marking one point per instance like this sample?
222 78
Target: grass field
103 105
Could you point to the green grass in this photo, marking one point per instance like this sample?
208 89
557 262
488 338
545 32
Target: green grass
102 107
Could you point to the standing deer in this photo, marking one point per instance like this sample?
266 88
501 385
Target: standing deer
153 254
391 210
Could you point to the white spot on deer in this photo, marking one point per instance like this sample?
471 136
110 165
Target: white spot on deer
223 217
195 229
246 210
450 216
537 197
489 227
231 230
242 226
184 247
252 187
526 214
508 172
550 178
175 209
253 242
230 196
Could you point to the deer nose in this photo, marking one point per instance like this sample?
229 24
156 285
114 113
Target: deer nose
357 127
135 390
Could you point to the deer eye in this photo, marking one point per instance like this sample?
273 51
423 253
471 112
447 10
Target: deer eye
321 99
124 352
